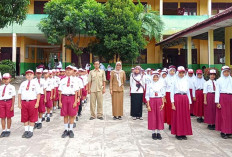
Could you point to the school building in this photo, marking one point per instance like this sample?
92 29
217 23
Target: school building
197 33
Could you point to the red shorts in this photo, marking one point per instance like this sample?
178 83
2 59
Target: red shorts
56 94
78 104
49 103
41 107
28 112
5 109
67 106
84 92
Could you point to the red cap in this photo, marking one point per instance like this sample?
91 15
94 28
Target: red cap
190 71
199 71
181 69
6 76
29 71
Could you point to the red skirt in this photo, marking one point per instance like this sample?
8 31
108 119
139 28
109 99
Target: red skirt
199 105
168 109
181 121
223 115
56 94
84 92
210 109
108 75
193 102
155 116
41 107
144 95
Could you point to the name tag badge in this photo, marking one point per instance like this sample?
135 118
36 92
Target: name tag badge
156 94
71 86
9 93
33 89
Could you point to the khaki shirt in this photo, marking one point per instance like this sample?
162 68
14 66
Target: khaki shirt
96 77
114 86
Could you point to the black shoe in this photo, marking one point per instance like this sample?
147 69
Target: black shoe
91 118
115 118
39 126
199 120
71 134
192 115
43 119
29 135
202 120
170 127
77 118
159 136
184 137
25 134
7 134
3 134
120 118
50 114
79 114
154 136
224 136
36 125
209 127
65 134
48 119
178 137
74 125
101 118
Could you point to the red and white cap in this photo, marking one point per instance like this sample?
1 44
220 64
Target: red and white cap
62 70
75 69
190 71
212 71
165 70
148 69
53 70
155 73
69 67
181 69
199 71
29 71
80 69
225 68
6 76
39 71
172 67
57 70
45 71
50 71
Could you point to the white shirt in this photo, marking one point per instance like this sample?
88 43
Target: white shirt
32 92
169 83
49 84
147 79
71 89
224 85
87 67
85 79
79 82
191 83
9 92
199 83
133 83
155 90
41 84
208 87
56 80
180 85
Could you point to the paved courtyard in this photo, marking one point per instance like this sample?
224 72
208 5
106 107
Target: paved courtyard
126 138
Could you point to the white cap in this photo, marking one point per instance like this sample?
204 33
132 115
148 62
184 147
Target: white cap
148 69
181 69
80 69
6 76
212 71
225 67
57 70
155 73
45 71
190 71
69 67
39 71
29 71
53 70
50 71
62 70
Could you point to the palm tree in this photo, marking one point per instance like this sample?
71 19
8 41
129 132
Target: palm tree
152 25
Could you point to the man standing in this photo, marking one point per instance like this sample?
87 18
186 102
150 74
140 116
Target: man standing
96 90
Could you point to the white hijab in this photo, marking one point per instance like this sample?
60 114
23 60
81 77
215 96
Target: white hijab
181 83
199 82
226 82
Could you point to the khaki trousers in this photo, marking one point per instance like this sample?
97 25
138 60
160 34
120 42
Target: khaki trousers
96 97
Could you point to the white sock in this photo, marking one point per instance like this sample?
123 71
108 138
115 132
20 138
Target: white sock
3 130
70 126
82 101
54 108
51 111
26 128
40 120
158 131
153 131
7 129
44 115
48 115
66 126
31 128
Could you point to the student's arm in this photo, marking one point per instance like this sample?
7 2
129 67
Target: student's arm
45 95
75 102
60 103
19 101
37 101
13 102
205 93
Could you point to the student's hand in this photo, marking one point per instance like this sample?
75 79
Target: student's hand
60 104
194 99
89 91
54 96
219 106
20 106
205 102
51 98
36 105
45 100
161 107
103 91
12 107
74 104
148 108
173 106
164 99
78 100
111 92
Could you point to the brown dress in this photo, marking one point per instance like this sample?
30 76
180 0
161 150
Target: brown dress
117 93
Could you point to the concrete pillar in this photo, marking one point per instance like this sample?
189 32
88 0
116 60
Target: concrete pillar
211 48
161 7
189 52
14 47
209 7
63 53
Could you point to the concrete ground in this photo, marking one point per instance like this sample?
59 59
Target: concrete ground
126 138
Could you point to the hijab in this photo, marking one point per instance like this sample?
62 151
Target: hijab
118 73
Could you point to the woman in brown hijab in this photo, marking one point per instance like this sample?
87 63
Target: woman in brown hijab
117 80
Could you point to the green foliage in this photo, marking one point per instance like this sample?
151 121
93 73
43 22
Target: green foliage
8 67
13 11
120 33
152 25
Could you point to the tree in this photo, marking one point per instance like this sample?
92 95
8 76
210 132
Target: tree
120 34
13 11
152 25
72 20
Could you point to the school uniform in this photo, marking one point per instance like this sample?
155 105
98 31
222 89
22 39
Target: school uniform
49 85
148 80
29 91
56 80
180 96
41 107
80 84
210 107
191 81
7 92
108 73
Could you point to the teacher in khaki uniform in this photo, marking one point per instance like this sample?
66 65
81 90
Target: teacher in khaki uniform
96 81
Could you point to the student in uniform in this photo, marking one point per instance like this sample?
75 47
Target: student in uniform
28 101
53 90
209 100
7 100
148 80
168 105
181 100
49 84
80 84
62 74
191 80
84 77
223 99
42 101
155 104
199 105
68 100
56 85
137 83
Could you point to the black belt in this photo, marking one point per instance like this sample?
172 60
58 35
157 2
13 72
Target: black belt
227 93
68 94
181 93
6 100
211 92
200 89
